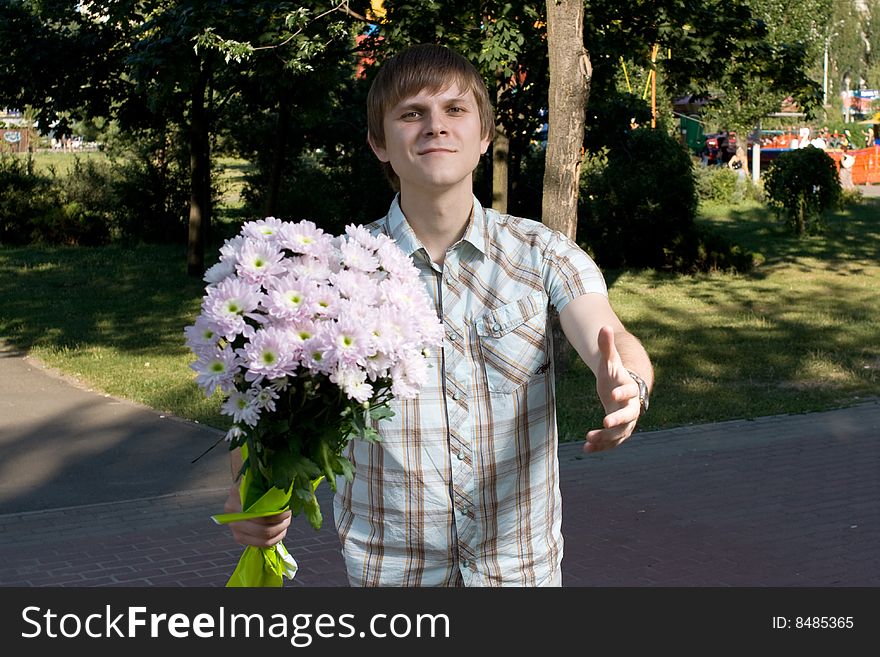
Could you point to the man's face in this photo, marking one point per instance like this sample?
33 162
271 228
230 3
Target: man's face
433 141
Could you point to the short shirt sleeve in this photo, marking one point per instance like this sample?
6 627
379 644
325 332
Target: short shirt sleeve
569 272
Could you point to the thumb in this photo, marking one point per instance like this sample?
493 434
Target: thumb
607 348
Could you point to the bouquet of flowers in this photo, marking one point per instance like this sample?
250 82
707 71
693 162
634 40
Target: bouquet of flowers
308 337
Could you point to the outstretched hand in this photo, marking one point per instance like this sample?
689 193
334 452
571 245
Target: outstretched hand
619 395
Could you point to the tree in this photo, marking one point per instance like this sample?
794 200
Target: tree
784 40
506 42
872 38
570 73
63 59
177 61
801 184
154 63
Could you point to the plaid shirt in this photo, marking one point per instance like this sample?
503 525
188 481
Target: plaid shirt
464 487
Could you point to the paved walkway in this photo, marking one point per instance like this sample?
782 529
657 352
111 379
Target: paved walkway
99 492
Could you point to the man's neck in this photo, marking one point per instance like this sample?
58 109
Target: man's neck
438 220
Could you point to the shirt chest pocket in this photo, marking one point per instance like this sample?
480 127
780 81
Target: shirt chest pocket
513 342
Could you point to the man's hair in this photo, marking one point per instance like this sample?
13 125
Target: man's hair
425 67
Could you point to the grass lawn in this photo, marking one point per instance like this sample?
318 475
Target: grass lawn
799 333
58 161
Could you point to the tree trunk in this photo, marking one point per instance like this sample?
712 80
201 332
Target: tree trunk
500 152
200 177
802 216
276 167
570 73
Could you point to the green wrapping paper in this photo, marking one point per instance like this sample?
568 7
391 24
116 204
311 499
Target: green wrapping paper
261 567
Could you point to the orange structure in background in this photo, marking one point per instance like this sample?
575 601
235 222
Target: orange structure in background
866 168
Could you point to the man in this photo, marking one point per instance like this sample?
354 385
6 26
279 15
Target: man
463 489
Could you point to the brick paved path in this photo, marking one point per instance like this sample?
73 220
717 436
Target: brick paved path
773 502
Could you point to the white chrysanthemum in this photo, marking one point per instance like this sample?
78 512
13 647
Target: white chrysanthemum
219 272
270 353
302 237
229 303
290 298
242 407
259 261
353 383
263 229
358 257
266 397
408 375
396 262
231 248
234 432
216 371
202 337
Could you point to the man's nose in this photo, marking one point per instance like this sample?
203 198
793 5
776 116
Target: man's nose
436 123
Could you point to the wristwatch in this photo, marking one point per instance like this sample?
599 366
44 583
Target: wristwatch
643 392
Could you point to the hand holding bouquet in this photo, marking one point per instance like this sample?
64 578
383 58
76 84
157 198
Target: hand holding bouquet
308 337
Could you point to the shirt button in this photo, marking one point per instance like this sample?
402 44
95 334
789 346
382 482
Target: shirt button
465 563
496 327
456 395
452 336
461 455
466 510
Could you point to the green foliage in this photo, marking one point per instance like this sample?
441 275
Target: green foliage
321 188
52 209
24 197
150 187
715 183
800 185
135 196
638 206
721 184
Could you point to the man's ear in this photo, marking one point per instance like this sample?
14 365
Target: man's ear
379 151
484 145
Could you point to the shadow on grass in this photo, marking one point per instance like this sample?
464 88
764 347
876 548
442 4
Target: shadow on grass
756 360
138 300
849 234
799 333
132 299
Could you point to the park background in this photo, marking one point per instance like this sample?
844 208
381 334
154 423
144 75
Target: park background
155 128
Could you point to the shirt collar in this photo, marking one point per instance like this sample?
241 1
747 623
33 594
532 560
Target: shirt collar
402 233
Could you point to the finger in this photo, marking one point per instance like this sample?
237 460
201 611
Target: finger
622 416
260 534
600 443
625 392
602 439
607 348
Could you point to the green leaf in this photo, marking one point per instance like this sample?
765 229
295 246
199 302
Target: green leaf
381 413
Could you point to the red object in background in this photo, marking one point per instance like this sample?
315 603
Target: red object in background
866 168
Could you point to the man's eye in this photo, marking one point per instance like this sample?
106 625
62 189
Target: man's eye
456 110
410 116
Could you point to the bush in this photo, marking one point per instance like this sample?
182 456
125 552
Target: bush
75 209
331 191
24 196
136 197
716 184
638 202
87 215
800 185
150 188
638 206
